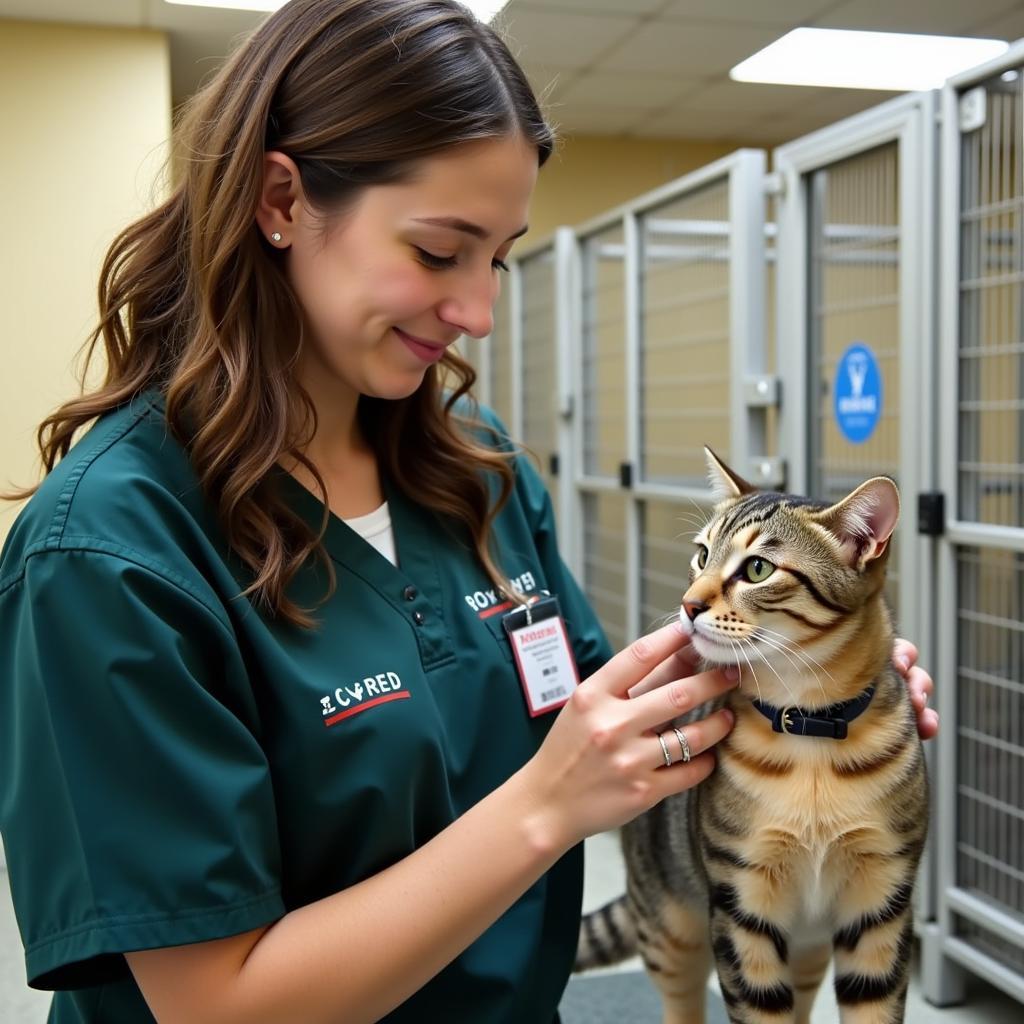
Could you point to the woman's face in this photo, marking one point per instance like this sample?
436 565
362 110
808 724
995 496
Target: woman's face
409 268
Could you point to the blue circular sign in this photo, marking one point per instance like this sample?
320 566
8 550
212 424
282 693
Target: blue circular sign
857 394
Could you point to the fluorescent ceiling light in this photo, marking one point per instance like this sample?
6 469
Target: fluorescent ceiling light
483 9
865 60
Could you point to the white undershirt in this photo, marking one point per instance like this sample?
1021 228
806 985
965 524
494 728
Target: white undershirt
376 530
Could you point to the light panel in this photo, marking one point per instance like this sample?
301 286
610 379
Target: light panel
838 58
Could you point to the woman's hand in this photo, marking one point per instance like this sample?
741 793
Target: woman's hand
920 686
602 762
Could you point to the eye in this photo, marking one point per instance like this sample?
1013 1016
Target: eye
702 556
757 570
432 260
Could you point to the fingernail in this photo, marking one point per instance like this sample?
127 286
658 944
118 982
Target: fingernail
903 662
731 672
729 716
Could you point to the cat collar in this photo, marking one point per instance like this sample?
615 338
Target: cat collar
831 722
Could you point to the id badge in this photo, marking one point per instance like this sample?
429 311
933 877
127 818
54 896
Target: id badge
547 668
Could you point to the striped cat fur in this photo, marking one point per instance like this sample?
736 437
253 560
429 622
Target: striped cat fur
797 849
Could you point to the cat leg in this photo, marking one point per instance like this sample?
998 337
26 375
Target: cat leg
677 953
751 951
875 933
809 965
873 963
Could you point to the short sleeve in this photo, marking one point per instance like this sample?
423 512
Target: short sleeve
136 802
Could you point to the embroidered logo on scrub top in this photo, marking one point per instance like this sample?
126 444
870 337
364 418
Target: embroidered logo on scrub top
347 701
487 603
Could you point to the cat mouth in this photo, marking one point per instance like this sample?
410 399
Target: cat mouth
712 648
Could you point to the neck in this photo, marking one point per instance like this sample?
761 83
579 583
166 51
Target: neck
338 439
833 669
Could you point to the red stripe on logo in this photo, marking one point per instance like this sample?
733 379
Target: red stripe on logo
497 608
401 695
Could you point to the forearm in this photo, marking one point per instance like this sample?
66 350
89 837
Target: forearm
422 912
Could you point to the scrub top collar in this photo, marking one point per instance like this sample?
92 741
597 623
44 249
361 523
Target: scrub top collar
413 587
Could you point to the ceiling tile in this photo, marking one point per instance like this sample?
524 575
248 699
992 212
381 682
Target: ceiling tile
648 91
1009 26
675 47
778 12
835 104
937 17
568 40
748 99
549 82
599 120
682 123
586 6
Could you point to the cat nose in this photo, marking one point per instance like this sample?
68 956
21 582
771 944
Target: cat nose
694 608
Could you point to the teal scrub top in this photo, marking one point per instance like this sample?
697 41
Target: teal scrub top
177 766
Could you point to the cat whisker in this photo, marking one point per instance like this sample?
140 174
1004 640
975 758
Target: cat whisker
760 654
791 645
662 620
686 533
753 674
788 644
782 646
703 514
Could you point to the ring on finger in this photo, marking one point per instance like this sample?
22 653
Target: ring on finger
664 750
684 744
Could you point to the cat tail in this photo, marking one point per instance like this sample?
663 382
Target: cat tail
607 936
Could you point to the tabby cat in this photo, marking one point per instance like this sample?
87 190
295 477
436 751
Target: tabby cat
804 842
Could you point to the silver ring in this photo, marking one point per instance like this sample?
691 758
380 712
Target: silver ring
664 750
684 745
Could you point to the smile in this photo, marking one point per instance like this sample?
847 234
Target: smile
428 351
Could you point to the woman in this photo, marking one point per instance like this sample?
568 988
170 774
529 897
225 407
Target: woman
265 755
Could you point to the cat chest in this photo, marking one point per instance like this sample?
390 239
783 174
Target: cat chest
806 803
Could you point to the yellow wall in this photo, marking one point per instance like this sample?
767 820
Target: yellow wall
84 115
590 174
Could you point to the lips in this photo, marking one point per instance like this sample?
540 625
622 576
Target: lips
428 351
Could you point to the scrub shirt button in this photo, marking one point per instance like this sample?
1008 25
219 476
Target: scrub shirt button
410 593
417 617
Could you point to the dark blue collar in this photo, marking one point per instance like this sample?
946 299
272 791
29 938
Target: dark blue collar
830 723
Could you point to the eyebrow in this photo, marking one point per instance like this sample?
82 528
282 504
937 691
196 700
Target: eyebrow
457 224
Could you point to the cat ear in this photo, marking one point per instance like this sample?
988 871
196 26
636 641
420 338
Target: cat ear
864 520
724 482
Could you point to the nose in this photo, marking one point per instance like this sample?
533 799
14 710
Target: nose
471 308
694 608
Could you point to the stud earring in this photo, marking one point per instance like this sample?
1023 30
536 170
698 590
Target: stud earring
276 236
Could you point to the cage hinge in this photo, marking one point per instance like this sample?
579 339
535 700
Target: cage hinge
553 464
626 475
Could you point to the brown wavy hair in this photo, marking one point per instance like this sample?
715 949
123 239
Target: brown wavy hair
194 301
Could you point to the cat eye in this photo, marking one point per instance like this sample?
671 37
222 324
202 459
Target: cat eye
702 556
757 570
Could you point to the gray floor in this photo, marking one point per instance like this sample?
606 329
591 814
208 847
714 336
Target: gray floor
620 995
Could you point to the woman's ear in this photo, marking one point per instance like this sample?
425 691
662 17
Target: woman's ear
280 198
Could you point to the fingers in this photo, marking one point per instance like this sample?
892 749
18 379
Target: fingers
904 655
679 665
638 660
680 745
928 724
673 699
920 687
